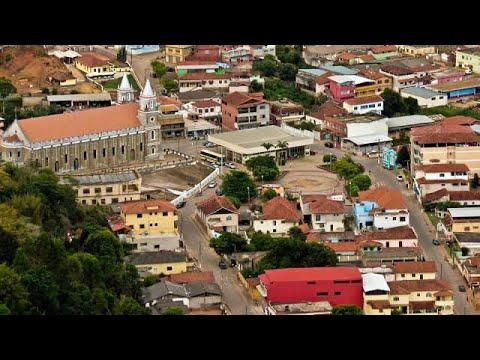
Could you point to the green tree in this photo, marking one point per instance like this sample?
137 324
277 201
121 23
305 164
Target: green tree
169 85
158 68
235 201
238 183
43 290
129 306
262 241
269 195
267 67
104 245
411 106
255 86
4 310
28 205
352 190
282 145
8 247
347 310
362 181
227 243
307 125
174 310
263 166
346 168
475 182
12 293
287 72
6 87
122 54
267 146
392 103
266 173
465 251
297 234
403 156
151 280
45 91
329 158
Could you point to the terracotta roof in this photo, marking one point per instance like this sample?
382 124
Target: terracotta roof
324 79
379 304
326 206
311 273
238 98
364 100
409 286
441 128
447 220
369 243
78 123
323 237
191 276
305 228
424 68
372 75
328 108
434 168
459 120
346 56
165 100
422 181
400 233
396 70
436 195
205 103
91 60
215 203
464 195
383 49
144 206
12 139
386 198
414 267
367 57
204 76
443 293
448 138
207 47
444 133
342 246
280 208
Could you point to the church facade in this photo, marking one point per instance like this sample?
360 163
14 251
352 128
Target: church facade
127 133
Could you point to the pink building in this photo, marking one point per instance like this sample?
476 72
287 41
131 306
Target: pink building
342 87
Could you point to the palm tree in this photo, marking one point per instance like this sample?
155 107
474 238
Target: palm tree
267 146
282 145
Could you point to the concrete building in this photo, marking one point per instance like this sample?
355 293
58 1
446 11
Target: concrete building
159 262
470 240
278 216
184 67
239 146
468 58
415 270
446 144
177 53
344 87
471 272
395 237
306 79
90 139
81 101
285 111
108 188
199 128
425 98
94 65
382 81
363 105
463 220
323 213
402 76
455 89
244 111
218 214
381 208
206 109
417 50
204 81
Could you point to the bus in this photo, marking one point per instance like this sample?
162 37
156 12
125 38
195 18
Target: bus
212 156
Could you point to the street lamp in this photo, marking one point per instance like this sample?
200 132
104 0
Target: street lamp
262 180
248 190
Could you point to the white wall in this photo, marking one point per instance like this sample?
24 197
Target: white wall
439 100
268 226
437 176
386 221
327 220
375 127
396 243
376 106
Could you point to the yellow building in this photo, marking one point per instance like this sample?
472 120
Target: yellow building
149 217
108 188
177 53
382 82
415 270
417 50
159 262
463 220
90 63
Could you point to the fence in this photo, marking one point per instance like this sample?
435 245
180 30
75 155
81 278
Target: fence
197 188
293 131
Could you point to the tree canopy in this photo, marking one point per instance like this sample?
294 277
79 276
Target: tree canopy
263 166
239 184
269 195
395 105
6 87
228 243
347 310
158 68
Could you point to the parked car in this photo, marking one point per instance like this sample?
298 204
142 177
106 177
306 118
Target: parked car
329 145
208 144
212 184
215 166
222 265
219 191
230 165
462 288
180 205
435 242
399 178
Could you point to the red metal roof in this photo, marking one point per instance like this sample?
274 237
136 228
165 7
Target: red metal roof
311 274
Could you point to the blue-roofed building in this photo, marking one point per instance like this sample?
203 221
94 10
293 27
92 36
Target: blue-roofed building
455 89
339 70
425 97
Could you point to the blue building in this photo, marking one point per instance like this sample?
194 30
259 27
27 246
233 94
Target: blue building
361 213
454 89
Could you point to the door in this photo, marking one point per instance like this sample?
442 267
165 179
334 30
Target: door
132 154
75 164
331 227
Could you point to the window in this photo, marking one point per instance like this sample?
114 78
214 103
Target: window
274 222
355 108
139 216
228 218
274 230
152 135
94 154
18 154
169 268
109 189
429 295
322 293
94 202
261 221
263 116
141 146
114 200
261 107
337 293
394 218
418 294
379 104
10 154
475 228
379 82
311 282
98 190
142 226
402 218
153 150
102 201
165 213
104 152
442 175
341 281
371 105
467 228
414 275
84 155
151 225
403 275
283 221
123 149
152 119
156 224
317 217
443 184
440 97
86 191
46 161
143 244
396 298
113 151
66 158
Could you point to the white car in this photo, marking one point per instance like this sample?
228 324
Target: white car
399 178
230 165
212 184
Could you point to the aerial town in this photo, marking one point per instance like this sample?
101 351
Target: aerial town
239 180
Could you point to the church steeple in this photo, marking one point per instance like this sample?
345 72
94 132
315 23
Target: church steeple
148 99
125 92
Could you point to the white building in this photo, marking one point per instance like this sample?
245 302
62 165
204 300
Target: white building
363 105
425 98
205 109
395 237
323 213
278 216
203 81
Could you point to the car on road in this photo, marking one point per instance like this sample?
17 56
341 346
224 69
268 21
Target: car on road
222 265
399 178
462 288
180 205
215 166
219 191
208 144
230 165
212 184
435 242
329 145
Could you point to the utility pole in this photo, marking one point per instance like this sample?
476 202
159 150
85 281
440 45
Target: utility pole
248 189
199 254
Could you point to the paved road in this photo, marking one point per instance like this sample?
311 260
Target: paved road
196 240
419 222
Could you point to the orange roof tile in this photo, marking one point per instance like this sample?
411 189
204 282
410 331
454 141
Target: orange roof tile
324 79
415 267
329 108
191 276
216 203
459 120
92 60
372 75
433 168
364 100
386 198
379 304
346 56
383 49
144 206
305 228
464 195
238 99
326 206
436 195
342 246
280 208
205 103
367 58
423 180
409 286
78 123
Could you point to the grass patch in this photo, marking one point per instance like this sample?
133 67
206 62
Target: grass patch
449 111
433 218
114 83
